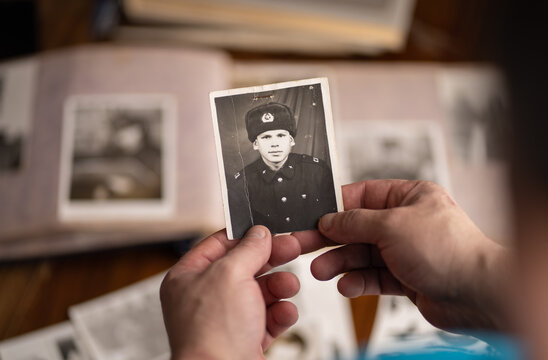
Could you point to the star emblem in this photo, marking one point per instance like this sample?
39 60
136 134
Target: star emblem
267 117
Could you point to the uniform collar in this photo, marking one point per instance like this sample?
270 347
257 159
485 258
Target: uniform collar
287 171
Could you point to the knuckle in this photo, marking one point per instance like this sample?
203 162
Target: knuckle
225 270
349 219
430 187
167 284
390 218
437 194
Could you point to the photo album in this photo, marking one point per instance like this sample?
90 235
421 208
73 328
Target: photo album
105 146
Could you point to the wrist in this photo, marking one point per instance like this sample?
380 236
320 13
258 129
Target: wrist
195 355
491 274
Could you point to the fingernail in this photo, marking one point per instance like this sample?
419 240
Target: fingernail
256 232
327 221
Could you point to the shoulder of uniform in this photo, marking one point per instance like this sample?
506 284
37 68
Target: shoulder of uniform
311 159
248 170
237 175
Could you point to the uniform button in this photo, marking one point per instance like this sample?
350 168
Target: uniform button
284 199
303 196
291 166
280 179
264 171
288 219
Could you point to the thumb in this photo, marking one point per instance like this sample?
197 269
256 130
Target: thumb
252 251
355 226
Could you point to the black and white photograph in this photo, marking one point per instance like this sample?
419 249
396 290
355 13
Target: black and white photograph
123 325
118 154
325 329
275 146
410 150
17 87
475 103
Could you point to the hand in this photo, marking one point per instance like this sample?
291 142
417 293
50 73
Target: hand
410 238
214 305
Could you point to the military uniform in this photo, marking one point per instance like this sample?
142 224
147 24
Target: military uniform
292 198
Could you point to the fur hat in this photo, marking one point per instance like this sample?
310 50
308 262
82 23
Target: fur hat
271 116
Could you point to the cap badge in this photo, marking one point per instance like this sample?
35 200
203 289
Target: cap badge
267 117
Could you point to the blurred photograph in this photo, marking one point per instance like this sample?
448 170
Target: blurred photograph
57 342
325 329
476 105
117 151
409 150
17 82
275 147
125 324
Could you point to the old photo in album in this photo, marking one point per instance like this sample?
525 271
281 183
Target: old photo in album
276 153
117 157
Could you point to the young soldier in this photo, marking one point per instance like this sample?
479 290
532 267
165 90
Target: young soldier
282 190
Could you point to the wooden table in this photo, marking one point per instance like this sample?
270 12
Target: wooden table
37 293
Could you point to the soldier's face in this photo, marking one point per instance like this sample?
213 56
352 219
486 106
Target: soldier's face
274 145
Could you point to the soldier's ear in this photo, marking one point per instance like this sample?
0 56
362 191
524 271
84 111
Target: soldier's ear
255 145
292 143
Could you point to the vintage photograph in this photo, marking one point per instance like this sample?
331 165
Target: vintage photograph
56 342
17 87
410 150
325 329
118 156
475 102
275 146
125 324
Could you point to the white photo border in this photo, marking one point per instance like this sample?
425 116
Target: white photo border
127 210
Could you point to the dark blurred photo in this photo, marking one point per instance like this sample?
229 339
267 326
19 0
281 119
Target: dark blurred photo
409 150
17 81
118 157
10 143
117 154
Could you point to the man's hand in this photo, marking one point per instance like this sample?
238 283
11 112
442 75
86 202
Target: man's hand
215 306
410 238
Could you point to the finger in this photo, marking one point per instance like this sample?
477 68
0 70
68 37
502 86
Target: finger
358 225
344 259
376 194
205 253
284 249
252 252
369 282
312 240
280 316
277 286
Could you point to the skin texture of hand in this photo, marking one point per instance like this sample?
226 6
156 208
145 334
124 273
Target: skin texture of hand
410 238
215 304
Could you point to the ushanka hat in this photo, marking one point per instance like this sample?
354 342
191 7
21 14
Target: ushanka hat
271 116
